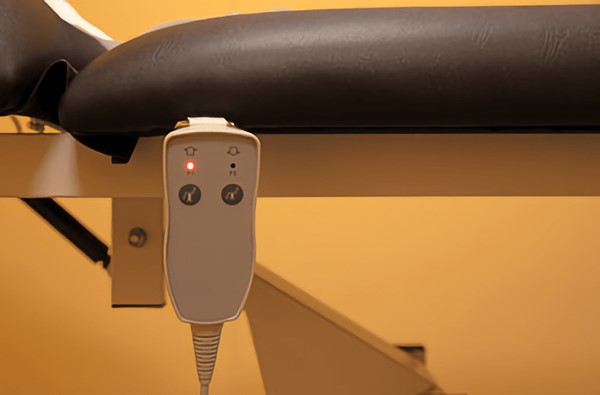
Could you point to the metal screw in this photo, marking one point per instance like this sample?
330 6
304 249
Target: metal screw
37 125
137 237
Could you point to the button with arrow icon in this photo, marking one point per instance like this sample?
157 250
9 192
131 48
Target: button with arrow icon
189 194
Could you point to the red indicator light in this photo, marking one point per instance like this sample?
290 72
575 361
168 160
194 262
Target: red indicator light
190 166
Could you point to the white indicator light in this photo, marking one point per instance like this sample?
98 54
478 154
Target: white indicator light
190 166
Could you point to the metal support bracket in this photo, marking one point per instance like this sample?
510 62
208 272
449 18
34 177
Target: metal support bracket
137 252
68 226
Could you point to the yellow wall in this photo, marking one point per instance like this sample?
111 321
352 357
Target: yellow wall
503 291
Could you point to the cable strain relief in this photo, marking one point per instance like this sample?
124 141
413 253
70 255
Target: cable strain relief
206 345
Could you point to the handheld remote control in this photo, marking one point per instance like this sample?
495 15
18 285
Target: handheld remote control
211 174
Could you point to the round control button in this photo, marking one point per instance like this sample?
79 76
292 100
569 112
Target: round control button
189 194
232 194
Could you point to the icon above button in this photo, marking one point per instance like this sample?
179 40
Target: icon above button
233 151
232 194
190 151
189 194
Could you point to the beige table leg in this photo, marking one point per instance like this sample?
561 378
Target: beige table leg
304 347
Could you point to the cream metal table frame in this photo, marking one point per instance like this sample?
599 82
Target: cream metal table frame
56 165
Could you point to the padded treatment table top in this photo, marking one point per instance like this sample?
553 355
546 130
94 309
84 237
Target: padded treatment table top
40 54
496 68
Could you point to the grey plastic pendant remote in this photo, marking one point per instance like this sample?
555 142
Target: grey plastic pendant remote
211 174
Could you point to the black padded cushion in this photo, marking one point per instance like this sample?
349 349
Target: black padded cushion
40 54
474 67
